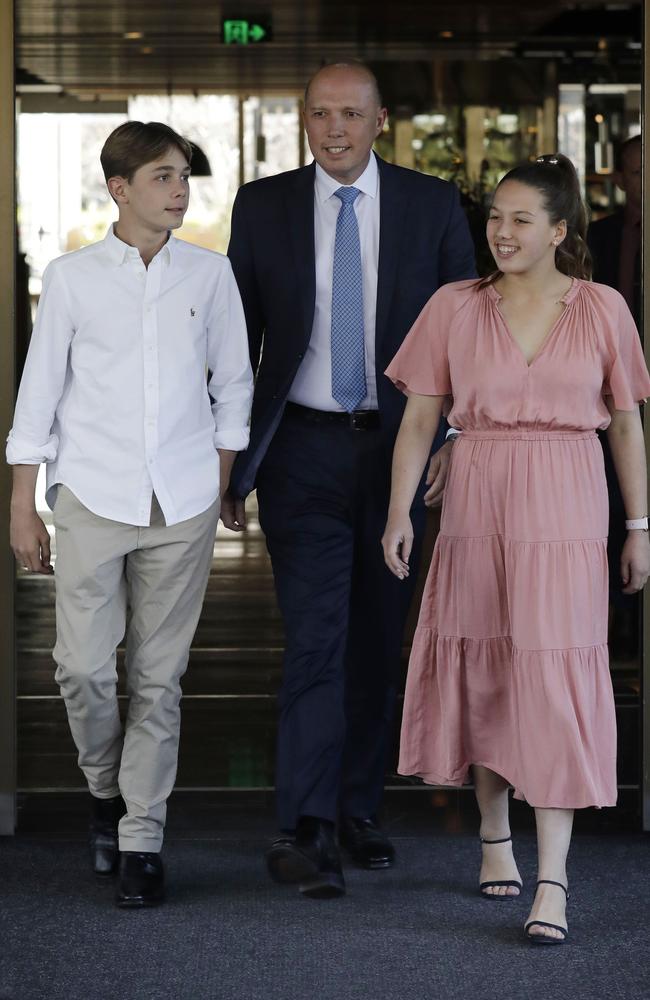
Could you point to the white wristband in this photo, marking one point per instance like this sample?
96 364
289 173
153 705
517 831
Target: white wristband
637 524
452 433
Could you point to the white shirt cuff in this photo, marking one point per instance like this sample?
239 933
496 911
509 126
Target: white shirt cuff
232 438
21 451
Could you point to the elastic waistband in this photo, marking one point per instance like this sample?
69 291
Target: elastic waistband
523 435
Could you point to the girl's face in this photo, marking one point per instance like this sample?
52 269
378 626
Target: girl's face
519 230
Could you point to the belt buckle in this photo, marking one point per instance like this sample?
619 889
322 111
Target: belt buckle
359 420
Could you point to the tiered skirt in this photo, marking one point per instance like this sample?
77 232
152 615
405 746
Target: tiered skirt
509 666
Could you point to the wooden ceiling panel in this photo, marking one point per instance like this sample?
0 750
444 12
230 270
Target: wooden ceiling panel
81 44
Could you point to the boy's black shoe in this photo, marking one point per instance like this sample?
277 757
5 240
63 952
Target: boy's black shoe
102 835
141 880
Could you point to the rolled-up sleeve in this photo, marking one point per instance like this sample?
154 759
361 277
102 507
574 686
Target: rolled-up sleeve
231 381
31 440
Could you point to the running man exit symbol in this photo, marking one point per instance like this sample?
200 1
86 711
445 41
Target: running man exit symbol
244 32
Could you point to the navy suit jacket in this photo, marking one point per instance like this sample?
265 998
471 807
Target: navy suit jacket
424 242
604 238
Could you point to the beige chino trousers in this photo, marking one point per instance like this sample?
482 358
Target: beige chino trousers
159 574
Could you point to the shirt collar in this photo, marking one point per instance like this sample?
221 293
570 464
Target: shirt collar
367 183
119 251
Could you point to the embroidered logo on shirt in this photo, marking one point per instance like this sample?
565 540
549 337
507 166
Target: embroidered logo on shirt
192 311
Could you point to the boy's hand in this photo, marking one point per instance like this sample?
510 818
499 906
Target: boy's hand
30 541
233 512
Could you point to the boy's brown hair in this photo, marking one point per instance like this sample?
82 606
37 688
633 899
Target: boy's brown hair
133 144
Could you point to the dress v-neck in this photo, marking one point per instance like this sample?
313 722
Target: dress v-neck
565 300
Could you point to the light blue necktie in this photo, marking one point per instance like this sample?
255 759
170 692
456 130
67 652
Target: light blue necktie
348 346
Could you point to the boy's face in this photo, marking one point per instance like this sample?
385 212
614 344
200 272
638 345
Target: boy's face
157 196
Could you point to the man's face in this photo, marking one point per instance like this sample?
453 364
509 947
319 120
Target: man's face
629 177
342 119
157 196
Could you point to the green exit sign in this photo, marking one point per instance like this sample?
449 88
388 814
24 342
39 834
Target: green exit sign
243 32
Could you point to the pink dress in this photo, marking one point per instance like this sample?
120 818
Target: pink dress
509 665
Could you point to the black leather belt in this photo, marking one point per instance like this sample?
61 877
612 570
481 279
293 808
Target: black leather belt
358 420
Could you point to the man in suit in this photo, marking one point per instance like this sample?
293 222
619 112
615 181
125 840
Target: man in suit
334 262
615 245
615 241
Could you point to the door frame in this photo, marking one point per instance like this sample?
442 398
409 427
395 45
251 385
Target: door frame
7 398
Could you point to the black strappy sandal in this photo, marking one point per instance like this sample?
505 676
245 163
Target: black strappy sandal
511 881
544 938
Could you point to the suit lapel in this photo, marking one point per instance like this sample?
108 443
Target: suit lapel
393 201
300 213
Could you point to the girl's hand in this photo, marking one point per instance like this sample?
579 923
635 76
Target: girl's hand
635 561
397 544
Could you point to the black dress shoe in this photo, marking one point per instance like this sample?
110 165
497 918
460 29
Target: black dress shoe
102 835
141 880
366 844
310 858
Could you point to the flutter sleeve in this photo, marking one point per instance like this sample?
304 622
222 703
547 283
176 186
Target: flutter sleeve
421 365
627 379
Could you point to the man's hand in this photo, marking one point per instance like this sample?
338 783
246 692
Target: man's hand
437 475
30 540
233 512
635 561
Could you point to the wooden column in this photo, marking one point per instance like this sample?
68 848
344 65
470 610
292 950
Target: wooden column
7 398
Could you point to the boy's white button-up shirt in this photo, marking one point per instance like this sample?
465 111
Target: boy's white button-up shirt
116 395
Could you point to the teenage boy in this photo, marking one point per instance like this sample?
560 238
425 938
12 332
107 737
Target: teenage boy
136 393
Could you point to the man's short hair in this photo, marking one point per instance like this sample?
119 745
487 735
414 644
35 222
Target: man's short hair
372 79
622 149
133 144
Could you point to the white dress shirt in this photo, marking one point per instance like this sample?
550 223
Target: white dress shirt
312 385
114 396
